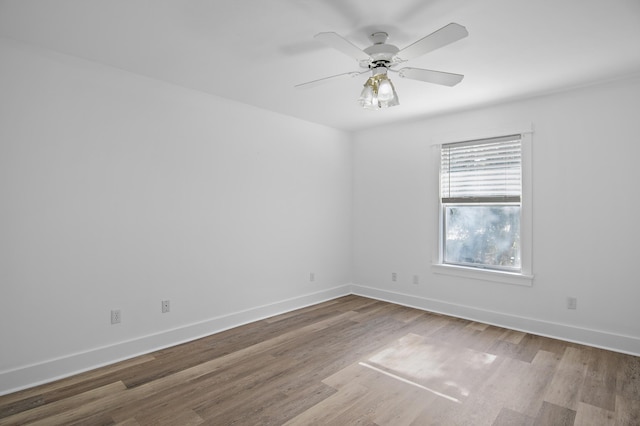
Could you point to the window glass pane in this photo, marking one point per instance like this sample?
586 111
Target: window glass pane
482 235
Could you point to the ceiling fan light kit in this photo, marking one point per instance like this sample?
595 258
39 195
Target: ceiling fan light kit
378 91
379 58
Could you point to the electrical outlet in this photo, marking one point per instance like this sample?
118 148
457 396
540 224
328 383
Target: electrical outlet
165 306
116 318
416 280
572 303
312 276
394 277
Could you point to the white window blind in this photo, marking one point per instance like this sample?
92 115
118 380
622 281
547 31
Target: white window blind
482 171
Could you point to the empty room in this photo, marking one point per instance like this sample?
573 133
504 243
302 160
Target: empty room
328 212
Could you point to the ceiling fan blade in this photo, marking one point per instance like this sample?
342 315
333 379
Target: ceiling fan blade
343 45
445 35
320 81
436 77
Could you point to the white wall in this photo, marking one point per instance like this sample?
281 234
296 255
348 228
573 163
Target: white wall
118 191
585 216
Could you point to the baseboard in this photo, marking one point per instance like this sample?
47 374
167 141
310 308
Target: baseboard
48 371
600 339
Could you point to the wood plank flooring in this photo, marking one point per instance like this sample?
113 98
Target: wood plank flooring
349 361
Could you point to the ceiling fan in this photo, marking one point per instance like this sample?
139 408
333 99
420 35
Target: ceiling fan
381 58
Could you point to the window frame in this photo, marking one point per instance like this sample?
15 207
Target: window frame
525 276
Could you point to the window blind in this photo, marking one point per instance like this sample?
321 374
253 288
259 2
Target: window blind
481 171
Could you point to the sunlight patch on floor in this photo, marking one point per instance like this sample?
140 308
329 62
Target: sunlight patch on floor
435 366
402 379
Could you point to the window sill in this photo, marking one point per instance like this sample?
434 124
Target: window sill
483 274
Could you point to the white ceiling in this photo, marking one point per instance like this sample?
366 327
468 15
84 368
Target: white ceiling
255 51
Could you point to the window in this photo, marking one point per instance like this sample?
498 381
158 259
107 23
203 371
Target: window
481 206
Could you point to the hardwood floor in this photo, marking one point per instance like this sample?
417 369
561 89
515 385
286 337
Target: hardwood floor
351 360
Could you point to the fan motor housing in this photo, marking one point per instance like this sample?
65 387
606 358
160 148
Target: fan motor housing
381 52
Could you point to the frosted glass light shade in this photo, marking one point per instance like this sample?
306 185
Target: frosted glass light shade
385 91
368 98
378 92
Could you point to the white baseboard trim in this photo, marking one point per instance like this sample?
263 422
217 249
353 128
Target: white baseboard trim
51 370
54 369
600 339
